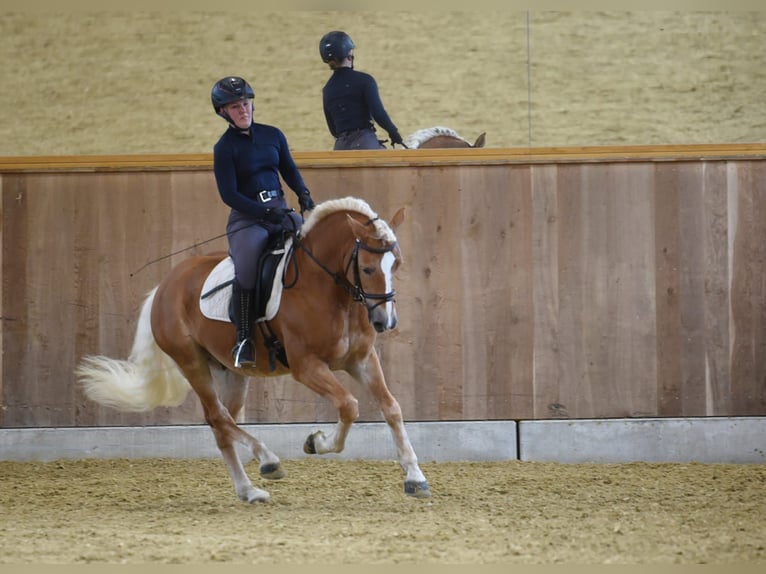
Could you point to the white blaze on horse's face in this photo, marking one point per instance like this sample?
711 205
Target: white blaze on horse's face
387 264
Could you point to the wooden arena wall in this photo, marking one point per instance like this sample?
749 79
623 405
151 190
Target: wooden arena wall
537 283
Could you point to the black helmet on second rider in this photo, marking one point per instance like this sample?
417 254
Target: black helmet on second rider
335 46
227 90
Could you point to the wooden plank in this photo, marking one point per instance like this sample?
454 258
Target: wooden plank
2 318
485 271
692 288
607 295
667 249
574 268
748 237
629 309
14 315
39 309
605 291
717 362
497 252
438 311
92 163
511 255
398 157
753 399
547 358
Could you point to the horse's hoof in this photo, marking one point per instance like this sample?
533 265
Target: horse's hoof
308 446
417 489
272 471
253 495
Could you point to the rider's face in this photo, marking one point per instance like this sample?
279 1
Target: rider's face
240 112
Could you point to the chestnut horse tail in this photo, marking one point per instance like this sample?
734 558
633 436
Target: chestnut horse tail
148 379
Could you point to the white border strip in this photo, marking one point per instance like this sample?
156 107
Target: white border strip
432 441
707 440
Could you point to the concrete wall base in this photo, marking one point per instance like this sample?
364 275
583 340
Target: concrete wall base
708 440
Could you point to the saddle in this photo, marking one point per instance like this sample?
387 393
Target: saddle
215 299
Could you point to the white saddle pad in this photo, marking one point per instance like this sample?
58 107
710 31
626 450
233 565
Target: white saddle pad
214 301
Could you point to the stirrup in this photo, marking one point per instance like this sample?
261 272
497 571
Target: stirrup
243 358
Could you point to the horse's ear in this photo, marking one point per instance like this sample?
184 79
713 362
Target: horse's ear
396 219
359 229
480 140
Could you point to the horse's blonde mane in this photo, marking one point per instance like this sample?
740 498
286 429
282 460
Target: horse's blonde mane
421 136
322 210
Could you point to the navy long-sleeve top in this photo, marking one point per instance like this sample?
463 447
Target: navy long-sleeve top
246 163
351 100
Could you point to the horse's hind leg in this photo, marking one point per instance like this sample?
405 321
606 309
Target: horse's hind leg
175 331
370 374
224 427
233 391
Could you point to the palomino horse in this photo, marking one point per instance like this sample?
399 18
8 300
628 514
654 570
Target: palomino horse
440 137
338 294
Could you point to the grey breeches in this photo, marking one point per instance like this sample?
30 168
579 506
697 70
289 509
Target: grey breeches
248 237
359 139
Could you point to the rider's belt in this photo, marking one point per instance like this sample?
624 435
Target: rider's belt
269 194
352 132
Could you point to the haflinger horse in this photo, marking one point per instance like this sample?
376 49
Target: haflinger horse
441 137
338 294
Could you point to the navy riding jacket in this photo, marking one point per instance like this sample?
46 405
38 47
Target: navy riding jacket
351 100
248 163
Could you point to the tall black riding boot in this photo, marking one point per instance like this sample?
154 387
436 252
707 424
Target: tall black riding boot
244 350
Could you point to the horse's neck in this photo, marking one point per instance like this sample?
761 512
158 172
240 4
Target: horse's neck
329 242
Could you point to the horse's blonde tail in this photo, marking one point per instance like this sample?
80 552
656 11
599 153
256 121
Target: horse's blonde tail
148 379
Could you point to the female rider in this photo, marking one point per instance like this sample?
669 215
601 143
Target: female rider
247 161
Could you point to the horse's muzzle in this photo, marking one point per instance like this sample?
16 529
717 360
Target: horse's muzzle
380 318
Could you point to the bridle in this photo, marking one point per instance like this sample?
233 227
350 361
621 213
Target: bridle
355 289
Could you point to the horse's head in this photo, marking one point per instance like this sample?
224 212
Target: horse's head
367 261
374 260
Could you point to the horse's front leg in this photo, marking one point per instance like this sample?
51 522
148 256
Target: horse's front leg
370 374
317 376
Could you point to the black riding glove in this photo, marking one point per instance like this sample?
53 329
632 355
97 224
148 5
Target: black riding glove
305 201
396 139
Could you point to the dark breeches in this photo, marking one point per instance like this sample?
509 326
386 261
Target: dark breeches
248 237
358 139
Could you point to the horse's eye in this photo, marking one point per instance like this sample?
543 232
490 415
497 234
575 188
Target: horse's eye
368 270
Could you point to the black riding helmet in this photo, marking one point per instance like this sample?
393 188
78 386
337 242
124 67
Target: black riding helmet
227 90
335 46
